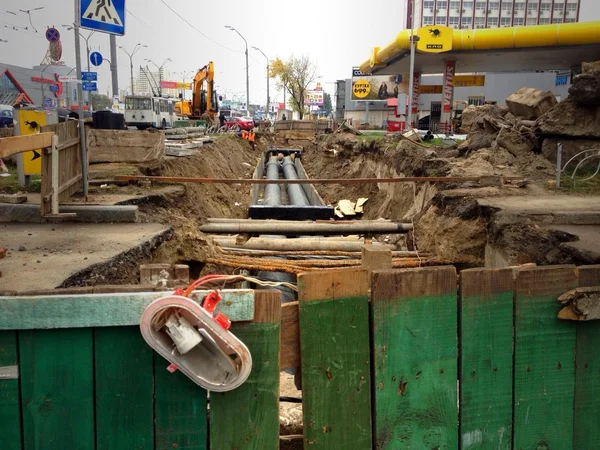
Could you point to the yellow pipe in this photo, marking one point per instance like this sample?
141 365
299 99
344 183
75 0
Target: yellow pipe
498 38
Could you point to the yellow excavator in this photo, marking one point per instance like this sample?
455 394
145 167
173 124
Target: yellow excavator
204 103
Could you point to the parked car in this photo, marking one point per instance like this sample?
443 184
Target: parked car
243 123
6 118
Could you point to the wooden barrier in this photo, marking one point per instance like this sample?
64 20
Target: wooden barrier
69 176
416 367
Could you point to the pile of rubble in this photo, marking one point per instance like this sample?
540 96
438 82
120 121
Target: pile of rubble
534 122
511 127
575 122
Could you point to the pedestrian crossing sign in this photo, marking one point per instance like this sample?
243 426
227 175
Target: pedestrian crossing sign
107 16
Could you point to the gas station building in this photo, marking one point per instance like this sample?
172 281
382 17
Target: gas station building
475 66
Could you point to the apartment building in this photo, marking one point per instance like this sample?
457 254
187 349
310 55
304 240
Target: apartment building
500 13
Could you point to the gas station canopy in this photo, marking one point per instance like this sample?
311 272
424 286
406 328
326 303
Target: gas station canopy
526 48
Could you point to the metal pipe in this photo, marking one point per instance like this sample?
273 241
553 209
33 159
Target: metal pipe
295 192
295 228
272 194
294 244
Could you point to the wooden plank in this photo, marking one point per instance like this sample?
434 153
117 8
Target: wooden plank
376 258
180 410
124 389
415 358
10 410
248 417
19 144
334 339
289 355
544 355
104 310
486 354
587 373
57 389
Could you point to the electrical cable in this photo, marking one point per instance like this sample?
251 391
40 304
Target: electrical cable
196 29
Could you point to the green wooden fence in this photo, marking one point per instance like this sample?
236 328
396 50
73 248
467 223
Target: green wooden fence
426 361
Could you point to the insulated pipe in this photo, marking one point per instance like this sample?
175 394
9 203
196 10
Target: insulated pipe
296 228
272 194
272 197
295 192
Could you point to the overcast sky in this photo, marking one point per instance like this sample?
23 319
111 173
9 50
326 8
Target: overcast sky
336 34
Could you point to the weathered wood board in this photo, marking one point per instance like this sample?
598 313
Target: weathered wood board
415 358
544 373
486 359
334 339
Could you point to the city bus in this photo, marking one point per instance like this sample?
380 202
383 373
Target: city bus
145 112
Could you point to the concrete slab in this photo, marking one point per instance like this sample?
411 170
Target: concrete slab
30 213
550 209
587 248
63 255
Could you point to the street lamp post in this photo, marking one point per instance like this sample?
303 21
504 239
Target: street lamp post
184 75
135 50
268 97
87 47
160 68
247 67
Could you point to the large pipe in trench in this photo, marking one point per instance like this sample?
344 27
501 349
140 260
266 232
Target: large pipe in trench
297 228
272 197
296 194
272 193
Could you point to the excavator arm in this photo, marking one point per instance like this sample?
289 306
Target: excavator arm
203 101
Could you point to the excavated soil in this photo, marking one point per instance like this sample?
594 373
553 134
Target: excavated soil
227 157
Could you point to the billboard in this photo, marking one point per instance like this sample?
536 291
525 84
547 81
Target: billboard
175 85
314 98
366 86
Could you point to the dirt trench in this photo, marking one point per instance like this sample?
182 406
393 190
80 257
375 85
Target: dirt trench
227 157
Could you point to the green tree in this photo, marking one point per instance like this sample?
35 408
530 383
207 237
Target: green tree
295 75
327 105
100 102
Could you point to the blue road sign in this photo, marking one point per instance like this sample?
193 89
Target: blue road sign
89 86
52 35
89 76
107 16
96 58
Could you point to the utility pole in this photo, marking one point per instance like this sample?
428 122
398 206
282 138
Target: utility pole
247 67
84 160
160 72
113 65
268 97
411 75
135 50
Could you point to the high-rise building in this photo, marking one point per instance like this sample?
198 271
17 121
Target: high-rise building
148 82
500 13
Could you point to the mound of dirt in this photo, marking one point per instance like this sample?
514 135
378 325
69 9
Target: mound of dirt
227 157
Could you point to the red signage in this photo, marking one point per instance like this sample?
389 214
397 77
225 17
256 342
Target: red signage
59 86
168 84
415 96
448 86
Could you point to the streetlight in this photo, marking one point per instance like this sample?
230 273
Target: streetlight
87 47
268 98
184 75
229 27
160 68
135 50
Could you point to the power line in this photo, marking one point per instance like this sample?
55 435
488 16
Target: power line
193 27
141 21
